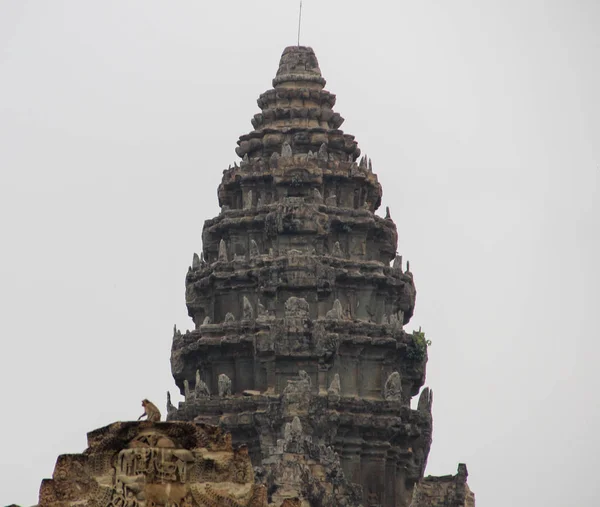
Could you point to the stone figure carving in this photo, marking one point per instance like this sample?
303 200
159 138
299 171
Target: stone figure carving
262 312
200 389
392 390
317 196
300 385
248 311
293 436
286 150
274 160
336 312
335 387
397 263
331 201
248 199
293 431
189 395
222 251
304 379
293 256
196 261
254 253
206 321
150 411
224 385
229 318
337 250
323 153
296 307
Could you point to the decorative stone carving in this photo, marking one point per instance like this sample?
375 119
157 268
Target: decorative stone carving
254 253
189 394
393 388
293 431
195 261
335 387
222 251
274 160
224 386
229 318
206 321
286 150
425 400
176 332
317 196
170 407
331 201
336 312
363 164
154 464
301 385
296 307
323 153
337 250
262 312
397 263
248 200
248 311
200 389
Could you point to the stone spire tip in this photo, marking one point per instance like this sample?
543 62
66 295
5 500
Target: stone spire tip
298 66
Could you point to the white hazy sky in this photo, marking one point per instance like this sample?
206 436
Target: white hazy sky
483 122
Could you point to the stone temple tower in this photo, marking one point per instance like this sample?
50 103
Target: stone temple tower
298 376
299 301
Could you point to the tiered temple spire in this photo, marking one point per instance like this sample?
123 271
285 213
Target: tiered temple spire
305 313
298 352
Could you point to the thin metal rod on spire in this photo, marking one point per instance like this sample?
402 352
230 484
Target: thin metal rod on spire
299 22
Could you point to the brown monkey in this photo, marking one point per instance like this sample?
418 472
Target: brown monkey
150 411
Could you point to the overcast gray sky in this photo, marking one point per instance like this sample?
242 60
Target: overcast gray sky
483 122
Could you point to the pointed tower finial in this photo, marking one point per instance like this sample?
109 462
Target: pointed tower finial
299 22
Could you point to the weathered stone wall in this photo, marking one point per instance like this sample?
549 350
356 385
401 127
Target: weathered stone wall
445 491
147 464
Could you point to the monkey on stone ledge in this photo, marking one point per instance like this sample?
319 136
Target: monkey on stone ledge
150 411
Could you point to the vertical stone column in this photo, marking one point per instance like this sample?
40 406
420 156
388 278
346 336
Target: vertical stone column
373 469
349 452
